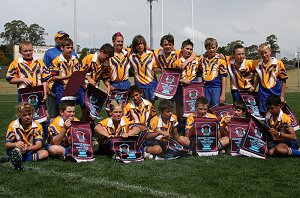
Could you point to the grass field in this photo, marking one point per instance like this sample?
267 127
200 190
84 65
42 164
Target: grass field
219 176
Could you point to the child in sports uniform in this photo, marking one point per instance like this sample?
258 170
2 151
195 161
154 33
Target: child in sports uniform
59 139
284 137
24 138
139 109
214 74
272 77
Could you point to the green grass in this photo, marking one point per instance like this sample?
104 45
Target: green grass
219 176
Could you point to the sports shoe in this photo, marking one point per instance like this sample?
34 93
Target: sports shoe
16 160
148 155
4 159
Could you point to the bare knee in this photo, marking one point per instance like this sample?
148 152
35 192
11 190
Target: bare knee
281 149
56 150
43 154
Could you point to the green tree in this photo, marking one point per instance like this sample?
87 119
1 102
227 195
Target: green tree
14 32
272 41
252 52
17 31
85 51
229 47
35 34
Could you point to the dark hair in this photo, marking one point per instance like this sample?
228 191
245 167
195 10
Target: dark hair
168 37
239 105
134 88
66 42
138 39
66 103
201 100
117 34
107 49
165 105
273 100
209 41
237 46
187 42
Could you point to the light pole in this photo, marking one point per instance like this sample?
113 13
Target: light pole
297 54
151 28
75 27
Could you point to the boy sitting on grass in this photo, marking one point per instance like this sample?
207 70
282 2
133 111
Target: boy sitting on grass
24 138
201 111
284 137
161 128
59 139
239 109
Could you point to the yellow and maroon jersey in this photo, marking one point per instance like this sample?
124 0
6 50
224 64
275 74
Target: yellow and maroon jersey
156 124
190 70
95 70
124 126
270 73
190 121
144 67
240 78
36 71
167 62
54 129
282 123
213 69
118 66
16 132
63 67
140 116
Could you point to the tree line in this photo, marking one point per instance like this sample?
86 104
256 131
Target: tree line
16 31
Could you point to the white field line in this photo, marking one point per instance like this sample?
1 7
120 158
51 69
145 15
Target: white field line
107 183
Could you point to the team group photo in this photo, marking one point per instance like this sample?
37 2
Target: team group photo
135 116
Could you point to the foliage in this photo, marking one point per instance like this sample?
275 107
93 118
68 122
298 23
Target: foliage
272 41
17 31
6 56
219 176
252 52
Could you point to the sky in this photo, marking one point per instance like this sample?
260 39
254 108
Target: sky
226 20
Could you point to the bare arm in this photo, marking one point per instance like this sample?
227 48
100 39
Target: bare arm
57 140
222 97
20 81
283 90
102 131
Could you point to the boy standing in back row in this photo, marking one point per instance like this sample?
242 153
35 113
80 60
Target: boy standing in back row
214 74
61 68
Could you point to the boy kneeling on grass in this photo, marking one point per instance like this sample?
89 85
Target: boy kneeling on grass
284 137
162 127
24 138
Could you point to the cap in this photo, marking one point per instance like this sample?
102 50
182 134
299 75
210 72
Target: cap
60 34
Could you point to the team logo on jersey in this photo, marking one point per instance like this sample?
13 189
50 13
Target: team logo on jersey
170 79
240 131
94 99
206 129
193 94
80 136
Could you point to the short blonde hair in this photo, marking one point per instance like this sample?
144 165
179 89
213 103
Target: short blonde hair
263 47
24 107
114 104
